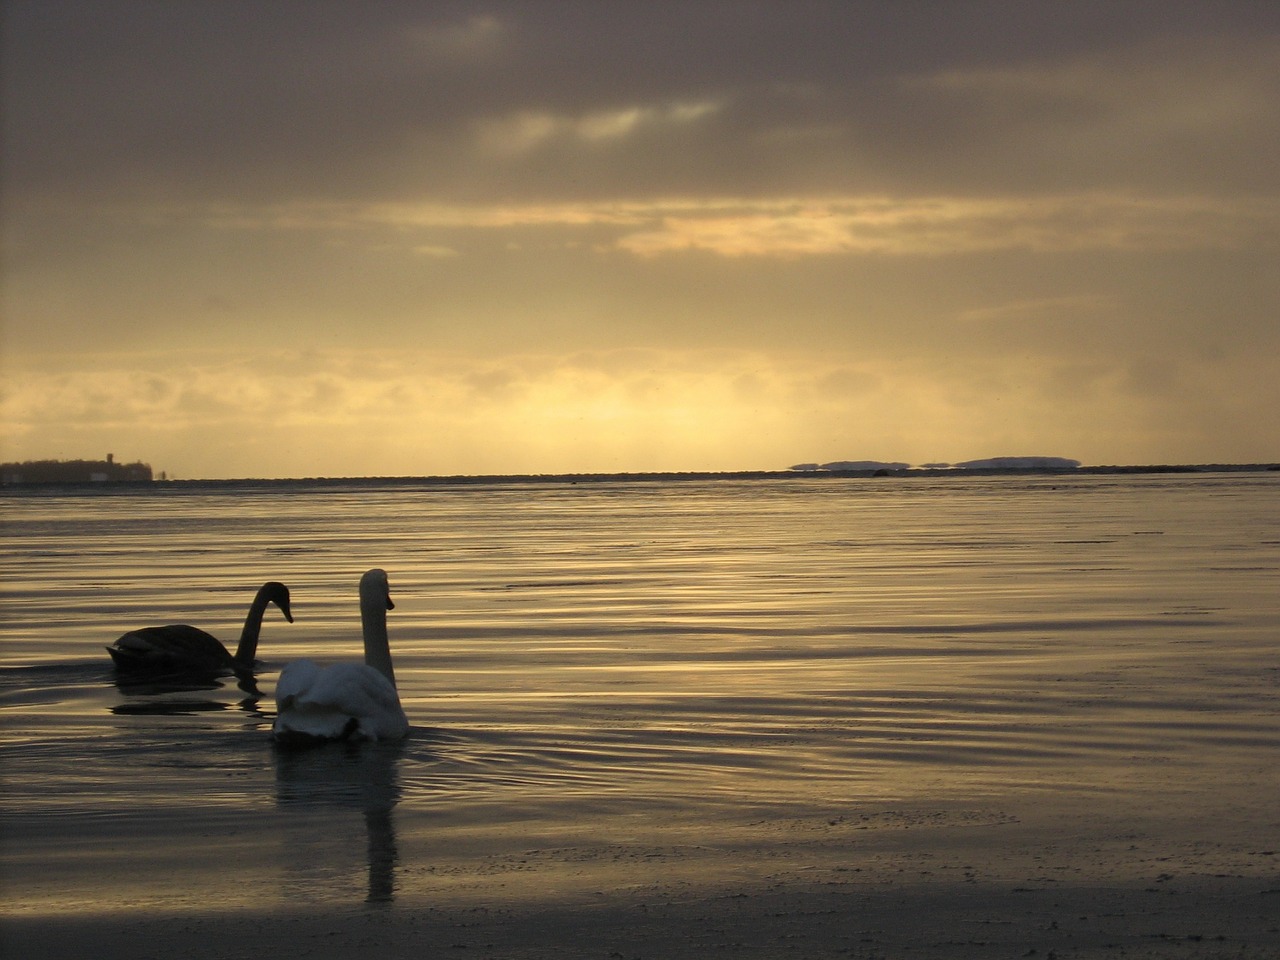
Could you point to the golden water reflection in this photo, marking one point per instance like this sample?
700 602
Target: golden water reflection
625 663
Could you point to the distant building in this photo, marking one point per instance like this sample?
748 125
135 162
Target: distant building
75 471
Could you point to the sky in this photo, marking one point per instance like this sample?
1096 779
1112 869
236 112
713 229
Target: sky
304 238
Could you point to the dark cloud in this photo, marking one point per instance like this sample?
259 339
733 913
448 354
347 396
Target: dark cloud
247 101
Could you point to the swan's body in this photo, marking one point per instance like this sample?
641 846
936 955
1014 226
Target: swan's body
347 700
182 648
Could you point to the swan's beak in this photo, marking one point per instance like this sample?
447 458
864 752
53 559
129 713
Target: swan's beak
390 605
288 614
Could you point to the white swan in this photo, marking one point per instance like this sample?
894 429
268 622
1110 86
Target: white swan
347 700
182 648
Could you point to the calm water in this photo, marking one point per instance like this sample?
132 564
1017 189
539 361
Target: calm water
649 659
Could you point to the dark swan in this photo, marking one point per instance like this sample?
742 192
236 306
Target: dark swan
181 648
346 701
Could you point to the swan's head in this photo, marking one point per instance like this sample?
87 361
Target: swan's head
278 594
374 587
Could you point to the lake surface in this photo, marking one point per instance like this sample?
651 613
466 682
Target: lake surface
619 668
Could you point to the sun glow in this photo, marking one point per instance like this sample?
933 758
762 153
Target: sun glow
416 413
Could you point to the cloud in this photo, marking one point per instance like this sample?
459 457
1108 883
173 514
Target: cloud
1036 310
1176 89
801 226
480 37
411 413
527 130
941 225
572 101
436 413
989 216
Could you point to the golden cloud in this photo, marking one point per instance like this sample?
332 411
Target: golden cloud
529 129
939 226
796 227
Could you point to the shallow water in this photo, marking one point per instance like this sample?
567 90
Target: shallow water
627 663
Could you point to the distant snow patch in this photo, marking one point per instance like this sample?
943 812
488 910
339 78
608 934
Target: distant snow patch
1020 463
864 465
836 466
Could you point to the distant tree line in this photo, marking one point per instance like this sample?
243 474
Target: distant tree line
75 471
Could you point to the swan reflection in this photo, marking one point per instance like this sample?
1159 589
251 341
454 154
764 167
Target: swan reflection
151 684
338 778
177 694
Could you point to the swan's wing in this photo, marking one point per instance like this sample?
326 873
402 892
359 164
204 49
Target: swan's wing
297 718
347 699
297 677
358 691
174 646
353 687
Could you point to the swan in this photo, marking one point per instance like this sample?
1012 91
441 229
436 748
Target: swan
356 701
182 648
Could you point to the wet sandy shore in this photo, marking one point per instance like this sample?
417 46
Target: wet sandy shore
878 884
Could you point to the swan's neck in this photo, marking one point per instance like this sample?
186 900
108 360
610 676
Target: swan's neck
377 646
248 648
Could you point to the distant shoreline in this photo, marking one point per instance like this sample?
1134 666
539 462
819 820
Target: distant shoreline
643 477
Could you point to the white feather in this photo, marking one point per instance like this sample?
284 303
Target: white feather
323 702
346 700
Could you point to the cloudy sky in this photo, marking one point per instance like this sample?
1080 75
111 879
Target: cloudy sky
275 238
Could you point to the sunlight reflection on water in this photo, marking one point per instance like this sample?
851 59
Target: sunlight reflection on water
693 648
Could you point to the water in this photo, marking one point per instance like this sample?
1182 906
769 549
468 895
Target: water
617 671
